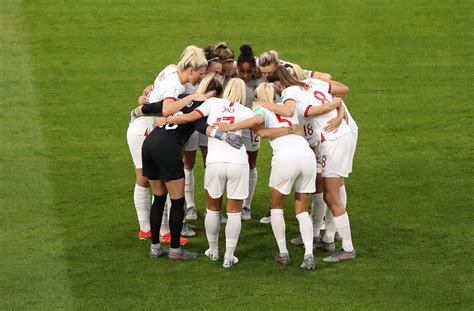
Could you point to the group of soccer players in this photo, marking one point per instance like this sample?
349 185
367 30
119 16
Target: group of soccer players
225 106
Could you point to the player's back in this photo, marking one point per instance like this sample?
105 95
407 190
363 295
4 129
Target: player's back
288 146
319 94
223 110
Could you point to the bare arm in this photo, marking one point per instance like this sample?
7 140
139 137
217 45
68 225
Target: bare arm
286 110
170 106
181 119
338 89
322 75
333 124
245 124
324 108
276 132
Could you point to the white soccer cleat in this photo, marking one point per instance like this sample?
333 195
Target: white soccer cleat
187 231
308 262
342 255
246 213
228 262
214 255
191 213
266 219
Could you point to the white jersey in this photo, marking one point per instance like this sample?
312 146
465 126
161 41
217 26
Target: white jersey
166 85
317 94
350 121
223 110
288 146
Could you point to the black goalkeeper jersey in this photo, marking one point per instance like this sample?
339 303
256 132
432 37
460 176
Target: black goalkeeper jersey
173 134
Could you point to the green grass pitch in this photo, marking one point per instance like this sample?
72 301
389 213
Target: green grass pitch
72 70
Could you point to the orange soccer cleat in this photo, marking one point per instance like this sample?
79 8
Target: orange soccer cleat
144 235
166 239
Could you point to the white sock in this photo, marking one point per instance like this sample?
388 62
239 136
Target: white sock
252 184
279 227
318 207
189 187
141 198
306 230
232 232
343 227
212 223
343 195
330 227
165 224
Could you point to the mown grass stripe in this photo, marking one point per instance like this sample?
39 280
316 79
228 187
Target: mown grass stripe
33 269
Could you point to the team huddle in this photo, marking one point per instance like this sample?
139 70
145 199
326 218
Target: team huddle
225 107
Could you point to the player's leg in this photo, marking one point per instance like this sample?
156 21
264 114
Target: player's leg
340 218
176 192
306 228
156 214
237 191
252 144
305 184
247 204
214 184
189 159
278 225
141 198
141 193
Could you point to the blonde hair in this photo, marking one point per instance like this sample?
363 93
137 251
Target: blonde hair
265 92
192 57
281 74
235 91
268 58
202 88
297 72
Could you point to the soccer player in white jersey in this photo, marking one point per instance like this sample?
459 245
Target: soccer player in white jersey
167 86
247 71
337 148
197 139
226 167
269 60
293 163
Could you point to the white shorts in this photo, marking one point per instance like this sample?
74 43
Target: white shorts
233 175
192 143
299 171
251 140
203 140
337 156
356 137
135 143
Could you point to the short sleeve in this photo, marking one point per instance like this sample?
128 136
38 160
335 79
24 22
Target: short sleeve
302 108
205 108
258 110
289 93
173 91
